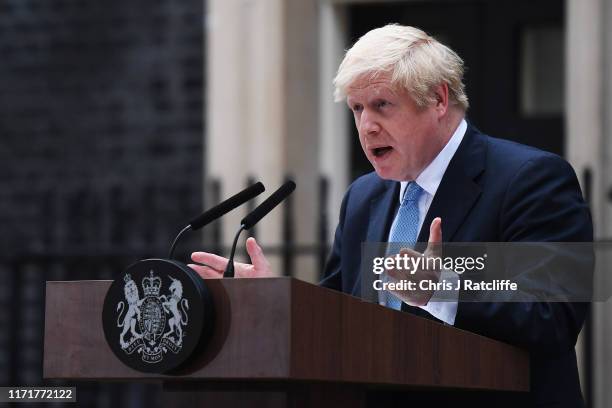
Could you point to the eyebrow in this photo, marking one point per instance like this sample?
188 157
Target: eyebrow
387 95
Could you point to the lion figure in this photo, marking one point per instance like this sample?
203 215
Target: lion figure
133 312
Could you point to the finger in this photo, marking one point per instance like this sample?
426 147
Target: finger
435 231
409 251
214 261
258 259
434 247
206 272
393 274
407 266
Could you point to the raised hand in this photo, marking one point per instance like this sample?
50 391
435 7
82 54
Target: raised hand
215 264
434 247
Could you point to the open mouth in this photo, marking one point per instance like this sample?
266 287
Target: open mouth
381 151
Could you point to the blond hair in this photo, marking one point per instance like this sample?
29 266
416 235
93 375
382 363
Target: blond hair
415 61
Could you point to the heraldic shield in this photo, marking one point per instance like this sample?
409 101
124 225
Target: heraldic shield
156 315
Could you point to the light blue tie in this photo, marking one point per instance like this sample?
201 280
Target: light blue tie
404 231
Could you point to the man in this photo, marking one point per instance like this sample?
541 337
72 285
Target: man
454 184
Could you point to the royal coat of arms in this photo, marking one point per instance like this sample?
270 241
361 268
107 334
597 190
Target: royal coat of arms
152 326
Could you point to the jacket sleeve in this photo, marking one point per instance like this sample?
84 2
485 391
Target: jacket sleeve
543 203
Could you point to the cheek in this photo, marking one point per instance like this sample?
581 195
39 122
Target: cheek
425 147
362 143
413 135
404 141
356 120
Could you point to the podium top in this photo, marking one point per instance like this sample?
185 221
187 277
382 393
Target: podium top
283 329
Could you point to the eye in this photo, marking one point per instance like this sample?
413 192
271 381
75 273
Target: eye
381 104
357 107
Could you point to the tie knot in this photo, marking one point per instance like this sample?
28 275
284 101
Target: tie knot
412 193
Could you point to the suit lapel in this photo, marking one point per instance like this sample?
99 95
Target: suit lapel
382 210
381 213
458 190
456 195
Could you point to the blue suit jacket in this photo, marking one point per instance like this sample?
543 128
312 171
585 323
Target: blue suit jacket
492 191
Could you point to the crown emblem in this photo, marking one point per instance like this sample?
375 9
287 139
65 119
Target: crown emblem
151 285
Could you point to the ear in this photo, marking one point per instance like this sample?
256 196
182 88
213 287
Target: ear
441 99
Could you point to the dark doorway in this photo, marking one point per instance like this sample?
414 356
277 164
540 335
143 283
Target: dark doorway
513 51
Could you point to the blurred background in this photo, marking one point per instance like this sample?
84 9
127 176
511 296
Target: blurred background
120 121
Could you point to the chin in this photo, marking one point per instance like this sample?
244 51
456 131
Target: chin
387 174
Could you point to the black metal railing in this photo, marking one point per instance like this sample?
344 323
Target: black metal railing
95 235
289 250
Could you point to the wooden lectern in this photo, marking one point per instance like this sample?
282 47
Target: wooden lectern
281 342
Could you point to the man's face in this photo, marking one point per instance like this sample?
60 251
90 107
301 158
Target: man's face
398 138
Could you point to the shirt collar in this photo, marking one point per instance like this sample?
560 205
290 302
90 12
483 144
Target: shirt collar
430 178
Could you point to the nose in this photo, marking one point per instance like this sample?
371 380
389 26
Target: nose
368 123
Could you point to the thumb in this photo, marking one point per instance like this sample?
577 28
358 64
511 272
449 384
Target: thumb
258 259
434 247
435 231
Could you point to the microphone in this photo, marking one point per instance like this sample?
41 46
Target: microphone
226 206
255 216
264 208
219 210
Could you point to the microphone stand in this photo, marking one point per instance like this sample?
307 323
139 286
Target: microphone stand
253 218
229 269
180 234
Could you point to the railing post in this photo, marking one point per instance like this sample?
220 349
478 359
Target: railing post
217 234
587 181
323 220
288 236
250 205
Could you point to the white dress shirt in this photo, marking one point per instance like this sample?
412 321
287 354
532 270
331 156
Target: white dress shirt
429 180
